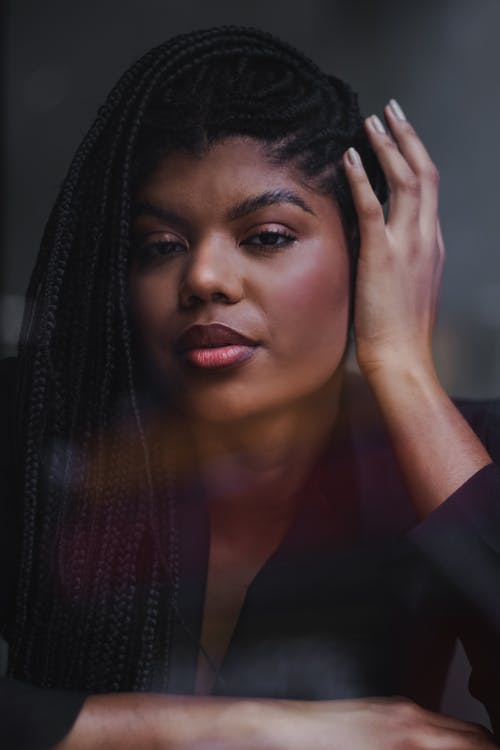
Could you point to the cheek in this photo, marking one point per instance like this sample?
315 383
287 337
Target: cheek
310 305
149 306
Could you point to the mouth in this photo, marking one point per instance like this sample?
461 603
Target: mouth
214 346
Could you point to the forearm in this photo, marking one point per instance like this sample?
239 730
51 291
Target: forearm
125 721
132 721
140 721
436 448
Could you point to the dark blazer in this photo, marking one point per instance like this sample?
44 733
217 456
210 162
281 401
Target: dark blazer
359 599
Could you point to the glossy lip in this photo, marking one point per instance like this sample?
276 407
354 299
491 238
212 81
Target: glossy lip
218 357
212 335
214 347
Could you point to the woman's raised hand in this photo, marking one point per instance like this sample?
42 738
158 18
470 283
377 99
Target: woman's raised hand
395 306
401 259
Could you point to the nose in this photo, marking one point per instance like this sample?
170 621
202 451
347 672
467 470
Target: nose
213 273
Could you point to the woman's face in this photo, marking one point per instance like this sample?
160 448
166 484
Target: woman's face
230 238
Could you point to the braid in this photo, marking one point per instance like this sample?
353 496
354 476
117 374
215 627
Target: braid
94 612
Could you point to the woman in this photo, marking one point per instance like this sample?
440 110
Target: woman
200 563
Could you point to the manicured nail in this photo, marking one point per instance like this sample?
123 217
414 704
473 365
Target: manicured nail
377 124
354 157
398 112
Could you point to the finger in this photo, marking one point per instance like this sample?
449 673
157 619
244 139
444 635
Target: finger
433 718
464 734
404 185
416 156
408 141
443 721
368 207
446 732
459 740
440 241
438 270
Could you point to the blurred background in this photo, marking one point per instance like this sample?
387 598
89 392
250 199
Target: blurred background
439 58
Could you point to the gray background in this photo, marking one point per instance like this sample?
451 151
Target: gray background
440 59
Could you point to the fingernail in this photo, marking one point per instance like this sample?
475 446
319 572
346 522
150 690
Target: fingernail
353 157
398 112
377 124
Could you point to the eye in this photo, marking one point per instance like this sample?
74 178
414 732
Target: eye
270 239
157 250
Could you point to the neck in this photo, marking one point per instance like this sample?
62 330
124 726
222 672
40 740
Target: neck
252 468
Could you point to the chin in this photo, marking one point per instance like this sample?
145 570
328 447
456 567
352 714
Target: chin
222 410
231 406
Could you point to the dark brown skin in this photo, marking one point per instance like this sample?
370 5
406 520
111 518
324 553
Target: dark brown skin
259 426
267 420
397 292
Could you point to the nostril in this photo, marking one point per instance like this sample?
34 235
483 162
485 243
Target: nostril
223 288
219 295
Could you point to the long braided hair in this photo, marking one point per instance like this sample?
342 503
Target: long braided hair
96 595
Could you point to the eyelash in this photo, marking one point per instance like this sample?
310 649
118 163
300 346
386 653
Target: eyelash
287 237
148 251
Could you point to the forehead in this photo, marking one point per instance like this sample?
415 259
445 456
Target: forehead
228 171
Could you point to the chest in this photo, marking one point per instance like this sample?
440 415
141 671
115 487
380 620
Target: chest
229 575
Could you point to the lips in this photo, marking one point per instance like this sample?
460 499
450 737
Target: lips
214 347
215 334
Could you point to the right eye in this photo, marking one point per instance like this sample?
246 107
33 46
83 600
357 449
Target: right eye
151 251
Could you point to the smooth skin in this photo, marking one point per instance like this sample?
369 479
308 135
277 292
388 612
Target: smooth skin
396 299
397 290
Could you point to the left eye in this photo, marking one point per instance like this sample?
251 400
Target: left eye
270 239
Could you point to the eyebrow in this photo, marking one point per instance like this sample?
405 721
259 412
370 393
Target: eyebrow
269 198
238 211
160 213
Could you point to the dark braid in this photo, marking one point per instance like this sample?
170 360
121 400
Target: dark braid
97 591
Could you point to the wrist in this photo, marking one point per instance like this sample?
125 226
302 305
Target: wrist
436 448
394 374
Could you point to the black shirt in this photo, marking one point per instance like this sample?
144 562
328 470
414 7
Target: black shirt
359 599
